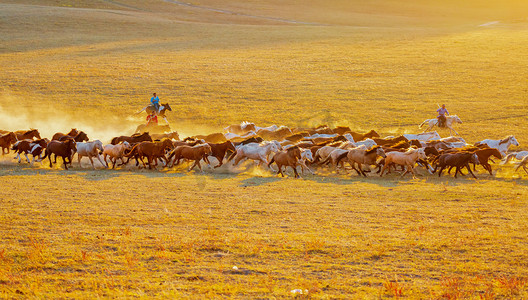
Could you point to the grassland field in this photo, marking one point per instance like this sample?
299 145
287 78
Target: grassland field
244 232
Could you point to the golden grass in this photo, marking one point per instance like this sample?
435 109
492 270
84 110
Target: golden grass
379 65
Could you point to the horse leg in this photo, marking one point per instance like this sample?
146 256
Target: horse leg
220 159
99 158
65 162
295 171
91 161
469 169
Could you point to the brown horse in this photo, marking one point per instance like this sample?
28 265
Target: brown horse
211 138
484 155
458 160
135 138
341 130
288 158
80 137
152 150
159 136
64 149
219 151
29 146
27 134
6 141
362 157
73 132
195 153
390 141
361 136
279 134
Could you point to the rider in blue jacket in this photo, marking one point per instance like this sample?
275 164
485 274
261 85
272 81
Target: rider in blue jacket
155 101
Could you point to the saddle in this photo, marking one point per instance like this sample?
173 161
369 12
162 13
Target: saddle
441 122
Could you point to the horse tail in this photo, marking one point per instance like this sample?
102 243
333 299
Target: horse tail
142 110
131 153
423 123
340 157
326 160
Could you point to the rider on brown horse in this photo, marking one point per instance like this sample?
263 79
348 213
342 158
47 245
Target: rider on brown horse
442 112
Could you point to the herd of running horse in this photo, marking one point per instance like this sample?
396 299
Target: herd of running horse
308 148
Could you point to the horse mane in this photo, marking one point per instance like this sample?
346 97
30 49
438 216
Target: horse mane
373 149
506 139
293 148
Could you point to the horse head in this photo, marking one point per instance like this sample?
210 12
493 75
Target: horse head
307 155
514 141
294 151
73 132
81 137
457 119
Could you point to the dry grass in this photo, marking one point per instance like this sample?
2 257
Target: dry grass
381 65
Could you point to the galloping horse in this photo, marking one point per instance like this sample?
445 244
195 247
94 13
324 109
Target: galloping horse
72 134
115 152
458 160
219 151
448 124
27 134
32 147
153 151
523 164
484 155
195 153
362 156
63 149
407 159
80 137
255 152
6 141
501 145
163 108
288 158
136 138
90 149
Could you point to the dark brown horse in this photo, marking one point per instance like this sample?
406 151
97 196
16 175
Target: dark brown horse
27 134
6 141
80 137
288 158
457 160
73 132
135 138
152 151
64 149
219 151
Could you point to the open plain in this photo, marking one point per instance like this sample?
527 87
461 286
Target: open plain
244 232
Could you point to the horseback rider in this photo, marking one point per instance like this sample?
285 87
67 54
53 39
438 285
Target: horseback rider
442 112
155 101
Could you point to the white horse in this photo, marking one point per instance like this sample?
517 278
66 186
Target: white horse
423 137
256 152
115 152
517 155
501 145
306 155
523 164
90 149
369 143
450 120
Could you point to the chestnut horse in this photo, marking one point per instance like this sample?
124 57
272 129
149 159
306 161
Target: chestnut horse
135 138
152 150
288 158
80 137
171 135
27 134
63 149
73 132
484 155
361 156
195 153
359 136
30 146
6 141
219 151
